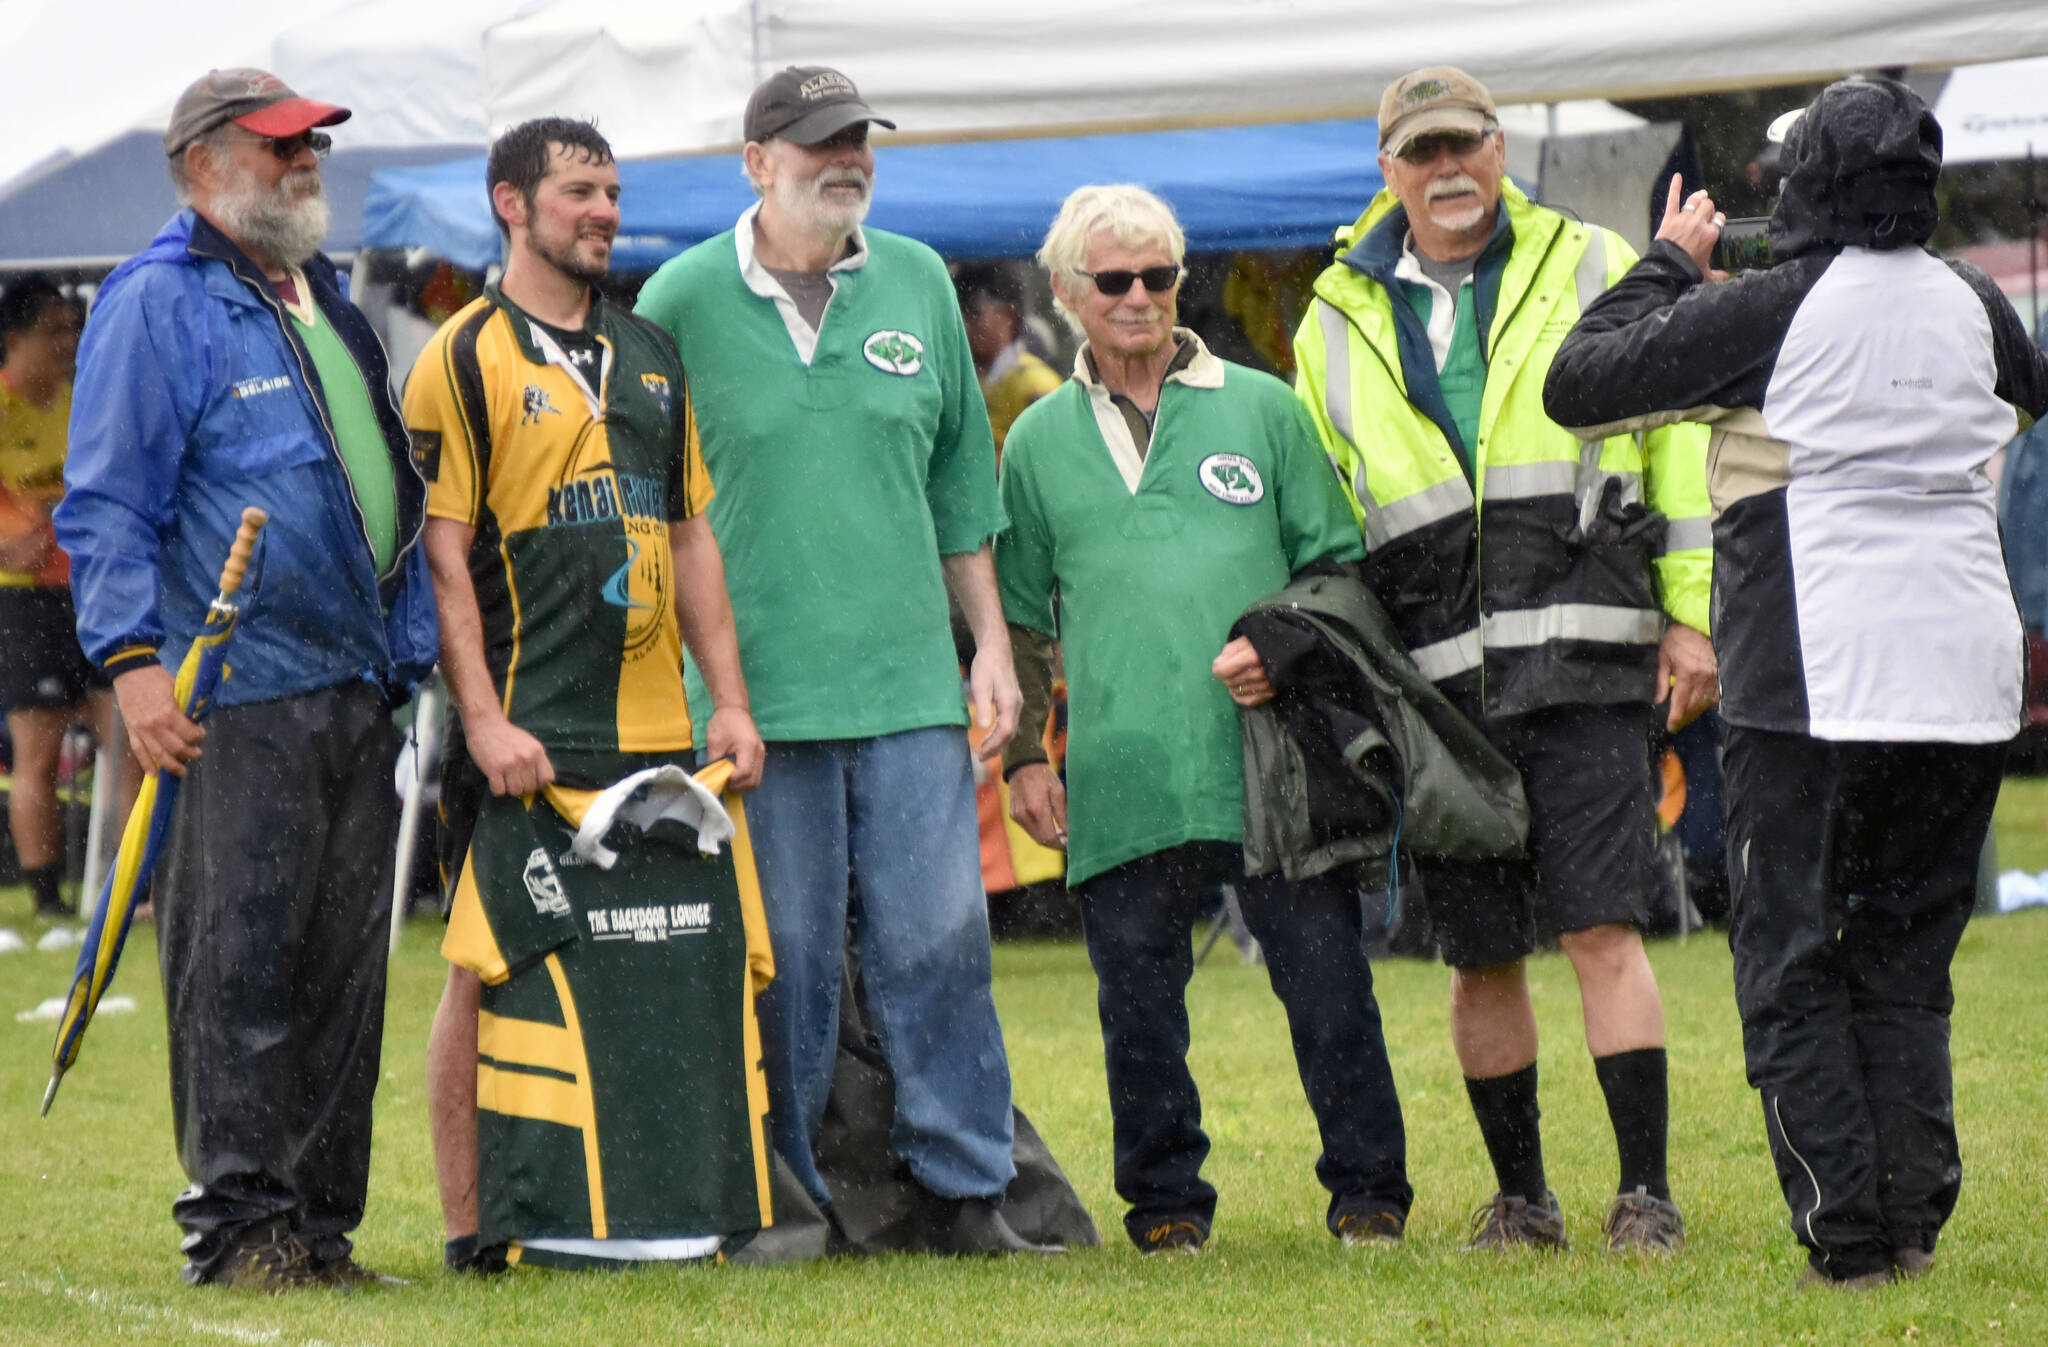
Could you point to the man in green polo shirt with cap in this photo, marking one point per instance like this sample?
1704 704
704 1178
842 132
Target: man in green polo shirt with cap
841 419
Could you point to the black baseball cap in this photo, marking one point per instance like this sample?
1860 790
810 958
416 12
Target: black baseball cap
806 104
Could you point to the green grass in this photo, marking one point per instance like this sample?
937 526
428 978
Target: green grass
88 1252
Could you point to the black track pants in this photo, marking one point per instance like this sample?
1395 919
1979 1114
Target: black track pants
273 904
1853 867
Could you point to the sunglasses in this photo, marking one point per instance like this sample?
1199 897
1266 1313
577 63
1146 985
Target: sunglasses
1425 149
1158 280
287 148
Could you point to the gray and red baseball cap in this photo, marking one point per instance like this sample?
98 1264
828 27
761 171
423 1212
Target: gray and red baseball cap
254 100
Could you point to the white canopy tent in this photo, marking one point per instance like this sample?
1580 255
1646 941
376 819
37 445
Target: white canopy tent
1994 111
946 71
671 76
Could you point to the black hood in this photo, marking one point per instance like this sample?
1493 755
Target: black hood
1860 166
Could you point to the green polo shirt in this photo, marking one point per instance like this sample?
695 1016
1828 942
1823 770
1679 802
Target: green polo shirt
1233 496
841 482
364 452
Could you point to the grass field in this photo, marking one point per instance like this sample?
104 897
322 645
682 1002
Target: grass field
88 1252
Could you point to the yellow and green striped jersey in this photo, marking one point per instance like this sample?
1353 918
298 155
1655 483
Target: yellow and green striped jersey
570 454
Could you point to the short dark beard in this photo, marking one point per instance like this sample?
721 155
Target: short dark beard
568 263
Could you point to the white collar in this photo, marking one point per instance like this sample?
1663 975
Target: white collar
763 283
1204 371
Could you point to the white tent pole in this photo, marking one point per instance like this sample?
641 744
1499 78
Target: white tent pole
2034 216
100 839
426 738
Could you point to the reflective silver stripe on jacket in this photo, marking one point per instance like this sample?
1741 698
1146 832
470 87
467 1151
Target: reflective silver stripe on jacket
1685 535
1337 406
1592 484
1449 658
1431 505
1520 628
1592 272
1525 481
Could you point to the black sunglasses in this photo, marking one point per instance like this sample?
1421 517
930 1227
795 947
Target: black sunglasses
1156 279
1424 149
287 148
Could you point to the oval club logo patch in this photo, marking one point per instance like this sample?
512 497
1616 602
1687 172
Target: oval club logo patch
894 352
1231 478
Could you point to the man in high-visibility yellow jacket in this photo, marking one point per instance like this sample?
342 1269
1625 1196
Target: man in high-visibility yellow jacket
1555 590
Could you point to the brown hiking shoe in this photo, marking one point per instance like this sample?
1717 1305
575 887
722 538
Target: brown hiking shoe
271 1266
346 1274
1368 1229
1639 1223
1505 1221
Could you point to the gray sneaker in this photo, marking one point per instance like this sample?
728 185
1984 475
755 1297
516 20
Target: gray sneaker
1639 1223
1506 1221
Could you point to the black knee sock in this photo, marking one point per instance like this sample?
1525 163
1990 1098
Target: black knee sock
1639 1103
42 882
1506 1109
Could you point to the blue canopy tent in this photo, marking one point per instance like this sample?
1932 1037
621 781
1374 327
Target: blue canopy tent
1274 186
95 211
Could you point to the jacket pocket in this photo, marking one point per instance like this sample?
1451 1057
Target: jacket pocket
241 458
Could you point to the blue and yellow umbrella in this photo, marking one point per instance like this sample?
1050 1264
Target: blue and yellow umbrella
142 841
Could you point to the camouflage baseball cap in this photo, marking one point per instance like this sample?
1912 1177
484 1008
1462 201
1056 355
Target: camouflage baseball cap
1435 98
253 99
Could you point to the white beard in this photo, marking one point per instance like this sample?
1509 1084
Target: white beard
1456 221
286 223
805 205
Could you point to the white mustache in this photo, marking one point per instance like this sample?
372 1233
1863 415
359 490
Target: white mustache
1463 182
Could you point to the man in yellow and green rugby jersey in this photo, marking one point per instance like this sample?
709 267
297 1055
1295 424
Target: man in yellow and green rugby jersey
571 556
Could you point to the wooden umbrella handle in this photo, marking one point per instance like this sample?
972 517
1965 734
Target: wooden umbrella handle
253 521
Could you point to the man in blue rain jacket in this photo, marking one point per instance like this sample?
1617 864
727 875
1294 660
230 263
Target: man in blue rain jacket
223 368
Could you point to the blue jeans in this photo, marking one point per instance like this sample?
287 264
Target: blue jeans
895 816
1138 920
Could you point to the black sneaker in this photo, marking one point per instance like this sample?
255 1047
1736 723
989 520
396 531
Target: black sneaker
1639 1223
55 909
1172 1234
970 1227
271 1266
1813 1278
1507 1221
1368 1229
464 1254
1912 1262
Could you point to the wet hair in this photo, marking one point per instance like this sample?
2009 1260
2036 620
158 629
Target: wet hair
525 155
24 301
991 281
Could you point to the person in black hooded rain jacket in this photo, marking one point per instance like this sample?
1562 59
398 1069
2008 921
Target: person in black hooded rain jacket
1870 651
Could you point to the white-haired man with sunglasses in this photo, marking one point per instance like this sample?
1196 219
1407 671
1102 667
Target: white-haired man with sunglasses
1160 492
1555 590
223 368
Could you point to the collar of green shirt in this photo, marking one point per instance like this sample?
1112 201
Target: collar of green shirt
767 287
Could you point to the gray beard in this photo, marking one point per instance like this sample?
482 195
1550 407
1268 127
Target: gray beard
286 227
804 206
